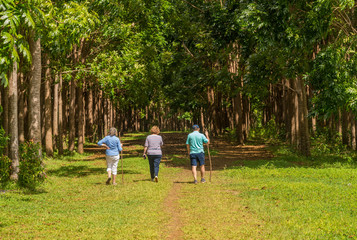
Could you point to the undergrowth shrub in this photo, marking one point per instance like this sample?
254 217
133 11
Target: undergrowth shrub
326 142
5 162
5 170
31 169
271 132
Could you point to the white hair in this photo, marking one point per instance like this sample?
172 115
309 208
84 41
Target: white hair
113 131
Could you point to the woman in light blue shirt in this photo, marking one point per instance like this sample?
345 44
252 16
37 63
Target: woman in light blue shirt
113 145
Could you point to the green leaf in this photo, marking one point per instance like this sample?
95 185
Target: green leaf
14 54
7 37
4 80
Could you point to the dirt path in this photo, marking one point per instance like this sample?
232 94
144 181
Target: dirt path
223 154
173 229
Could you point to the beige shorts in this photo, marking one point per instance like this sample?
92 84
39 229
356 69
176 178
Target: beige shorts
112 164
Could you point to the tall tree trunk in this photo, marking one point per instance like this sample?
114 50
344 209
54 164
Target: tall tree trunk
61 106
21 108
294 113
55 109
202 119
65 111
72 117
237 99
345 128
13 123
105 116
48 111
89 119
34 101
5 112
80 102
303 118
246 110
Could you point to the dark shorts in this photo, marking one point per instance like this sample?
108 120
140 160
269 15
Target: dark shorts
197 157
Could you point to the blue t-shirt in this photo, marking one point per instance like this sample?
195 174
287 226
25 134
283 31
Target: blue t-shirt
196 141
114 143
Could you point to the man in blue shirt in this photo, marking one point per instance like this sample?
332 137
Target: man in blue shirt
194 143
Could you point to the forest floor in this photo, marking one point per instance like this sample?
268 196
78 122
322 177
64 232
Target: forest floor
252 194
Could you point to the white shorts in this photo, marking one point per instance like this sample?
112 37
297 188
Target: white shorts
112 164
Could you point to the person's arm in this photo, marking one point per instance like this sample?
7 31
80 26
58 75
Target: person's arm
120 146
145 150
188 145
206 133
146 145
102 143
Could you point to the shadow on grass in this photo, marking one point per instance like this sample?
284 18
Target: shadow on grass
82 171
293 161
36 191
143 180
184 182
75 171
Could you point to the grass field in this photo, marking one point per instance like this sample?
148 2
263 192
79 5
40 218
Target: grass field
76 204
286 197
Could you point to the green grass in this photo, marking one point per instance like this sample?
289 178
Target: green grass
75 203
286 197
134 136
299 198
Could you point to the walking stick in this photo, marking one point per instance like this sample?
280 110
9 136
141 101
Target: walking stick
209 157
122 171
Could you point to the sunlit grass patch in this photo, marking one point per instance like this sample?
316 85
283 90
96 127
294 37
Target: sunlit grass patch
299 202
133 136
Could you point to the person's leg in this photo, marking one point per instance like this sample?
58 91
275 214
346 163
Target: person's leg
193 158
202 171
202 166
114 179
157 161
109 168
152 168
115 168
194 172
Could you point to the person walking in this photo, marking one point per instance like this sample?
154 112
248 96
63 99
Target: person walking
152 149
195 150
113 145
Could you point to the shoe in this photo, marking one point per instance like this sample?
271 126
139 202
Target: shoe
114 183
195 182
203 180
152 179
156 179
108 181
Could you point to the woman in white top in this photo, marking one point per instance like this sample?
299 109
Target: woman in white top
153 151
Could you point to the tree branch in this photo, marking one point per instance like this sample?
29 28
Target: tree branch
187 50
194 6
